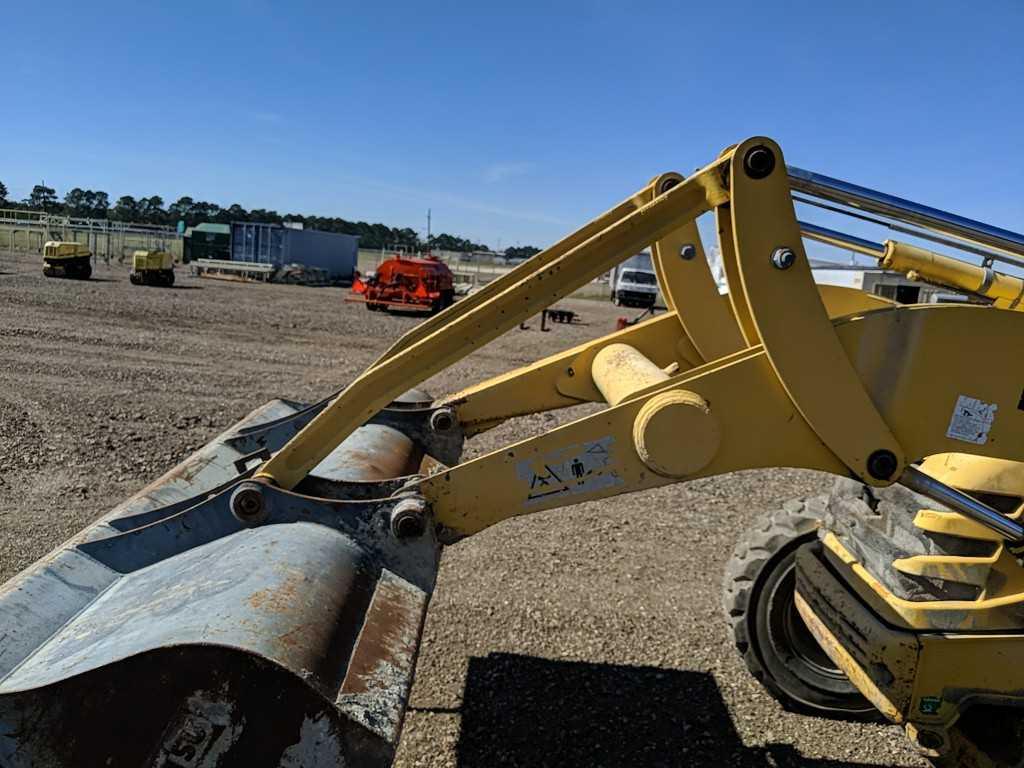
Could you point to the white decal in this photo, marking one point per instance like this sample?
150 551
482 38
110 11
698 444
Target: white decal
575 469
971 421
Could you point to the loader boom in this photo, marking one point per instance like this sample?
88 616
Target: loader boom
770 361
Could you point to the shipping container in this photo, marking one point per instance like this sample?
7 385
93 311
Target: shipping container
278 245
206 241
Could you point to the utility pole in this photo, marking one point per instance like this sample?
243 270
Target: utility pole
428 225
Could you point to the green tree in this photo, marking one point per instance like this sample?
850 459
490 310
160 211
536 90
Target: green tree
234 212
151 210
42 197
181 210
75 202
446 242
3 193
521 252
125 209
98 203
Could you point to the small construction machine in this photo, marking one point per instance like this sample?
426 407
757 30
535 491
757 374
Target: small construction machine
262 603
152 268
406 283
67 259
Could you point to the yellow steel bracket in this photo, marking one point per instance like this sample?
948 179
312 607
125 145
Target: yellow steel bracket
792 323
690 291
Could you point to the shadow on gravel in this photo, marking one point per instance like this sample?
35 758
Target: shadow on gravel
530 712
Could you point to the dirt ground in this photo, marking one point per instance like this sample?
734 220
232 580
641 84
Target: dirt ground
587 636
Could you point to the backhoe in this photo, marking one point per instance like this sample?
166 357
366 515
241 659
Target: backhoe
262 603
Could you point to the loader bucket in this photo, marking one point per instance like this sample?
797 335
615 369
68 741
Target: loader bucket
173 632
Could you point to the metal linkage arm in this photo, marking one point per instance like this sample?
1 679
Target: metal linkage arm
545 281
779 372
735 414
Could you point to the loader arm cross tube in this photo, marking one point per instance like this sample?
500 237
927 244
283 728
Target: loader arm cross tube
780 372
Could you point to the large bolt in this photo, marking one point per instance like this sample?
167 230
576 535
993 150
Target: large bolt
442 420
409 518
759 162
687 252
783 258
248 505
930 740
667 184
882 464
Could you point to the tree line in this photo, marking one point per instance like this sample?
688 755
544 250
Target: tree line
95 204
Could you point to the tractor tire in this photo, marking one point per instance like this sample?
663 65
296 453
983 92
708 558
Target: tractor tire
776 646
85 272
135 278
168 277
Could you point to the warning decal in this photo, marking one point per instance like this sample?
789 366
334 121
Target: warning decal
575 469
971 421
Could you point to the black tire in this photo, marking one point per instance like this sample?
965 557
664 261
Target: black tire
773 641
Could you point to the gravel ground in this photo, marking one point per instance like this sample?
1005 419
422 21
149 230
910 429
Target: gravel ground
587 636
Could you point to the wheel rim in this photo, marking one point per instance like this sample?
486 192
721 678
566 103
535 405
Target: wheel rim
790 636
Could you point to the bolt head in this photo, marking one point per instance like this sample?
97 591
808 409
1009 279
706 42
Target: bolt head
759 162
409 518
783 258
248 505
442 420
930 740
687 252
882 464
668 184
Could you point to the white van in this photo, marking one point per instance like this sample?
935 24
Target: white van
634 282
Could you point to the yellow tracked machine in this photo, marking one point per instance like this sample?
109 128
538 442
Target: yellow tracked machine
262 603
152 268
70 259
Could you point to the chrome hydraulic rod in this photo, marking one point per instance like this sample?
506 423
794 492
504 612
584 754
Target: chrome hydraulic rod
968 506
883 204
842 240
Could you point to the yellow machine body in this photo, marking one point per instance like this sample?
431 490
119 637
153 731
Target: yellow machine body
152 268
66 259
55 251
143 261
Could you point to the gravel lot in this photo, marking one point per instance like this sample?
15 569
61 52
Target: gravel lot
587 636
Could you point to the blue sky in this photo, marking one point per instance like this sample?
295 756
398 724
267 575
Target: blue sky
514 122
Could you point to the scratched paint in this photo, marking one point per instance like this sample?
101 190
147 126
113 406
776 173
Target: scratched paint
570 471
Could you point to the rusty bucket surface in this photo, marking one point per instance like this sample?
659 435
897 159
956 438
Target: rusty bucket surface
173 633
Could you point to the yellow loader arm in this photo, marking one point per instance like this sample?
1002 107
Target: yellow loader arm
778 374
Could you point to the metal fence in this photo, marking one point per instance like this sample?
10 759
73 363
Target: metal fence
25 230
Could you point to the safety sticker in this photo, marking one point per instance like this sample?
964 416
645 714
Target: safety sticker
930 705
570 471
971 421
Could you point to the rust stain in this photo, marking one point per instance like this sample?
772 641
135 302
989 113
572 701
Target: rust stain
189 468
279 599
390 636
